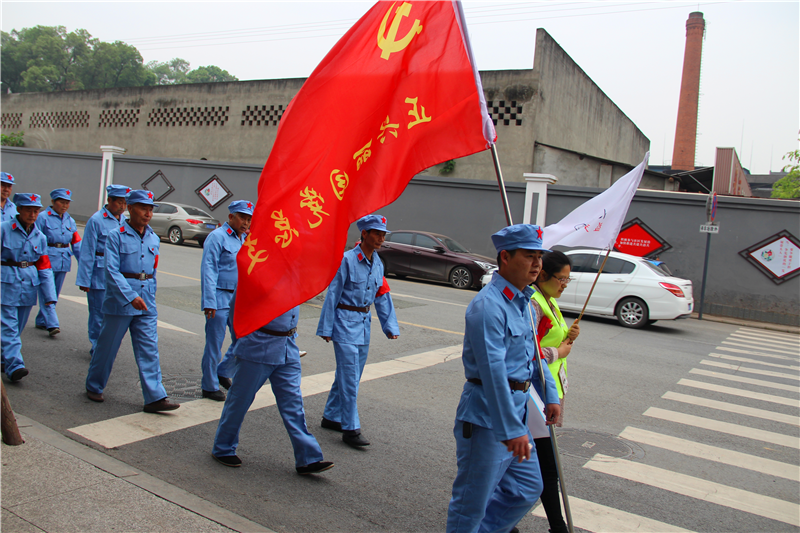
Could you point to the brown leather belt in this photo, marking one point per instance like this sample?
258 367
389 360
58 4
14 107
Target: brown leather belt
278 333
141 276
57 245
99 254
20 264
353 308
515 385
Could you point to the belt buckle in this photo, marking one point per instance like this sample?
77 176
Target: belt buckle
141 276
24 264
527 384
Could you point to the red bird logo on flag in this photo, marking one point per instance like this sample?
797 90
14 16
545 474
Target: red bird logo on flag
397 94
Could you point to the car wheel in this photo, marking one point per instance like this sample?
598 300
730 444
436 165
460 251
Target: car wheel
461 278
201 242
175 235
632 313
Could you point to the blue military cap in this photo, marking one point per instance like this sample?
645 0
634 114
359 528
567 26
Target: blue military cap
519 236
5 177
139 196
372 222
241 206
118 191
61 194
27 199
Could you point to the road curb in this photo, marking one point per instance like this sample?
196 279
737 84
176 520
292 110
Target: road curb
136 477
750 323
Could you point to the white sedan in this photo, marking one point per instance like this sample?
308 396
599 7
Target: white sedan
631 288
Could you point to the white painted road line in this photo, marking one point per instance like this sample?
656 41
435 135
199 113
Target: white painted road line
791 340
140 426
791 402
601 519
778 335
792 420
769 341
713 453
759 354
790 441
753 361
427 299
697 488
740 379
740 368
161 324
755 345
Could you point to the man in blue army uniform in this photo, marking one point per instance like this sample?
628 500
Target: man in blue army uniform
8 209
269 353
25 271
61 232
131 260
91 276
498 479
218 277
346 320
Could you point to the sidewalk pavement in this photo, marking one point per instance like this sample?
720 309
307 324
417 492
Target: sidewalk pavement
53 484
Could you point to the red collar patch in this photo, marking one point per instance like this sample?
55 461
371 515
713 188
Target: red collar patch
105 215
122 229
360 257
507 292
49 212
230 231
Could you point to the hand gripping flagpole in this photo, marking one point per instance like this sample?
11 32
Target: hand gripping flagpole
553 440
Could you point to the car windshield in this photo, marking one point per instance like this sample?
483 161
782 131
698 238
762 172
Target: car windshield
661 270
452 245
194 212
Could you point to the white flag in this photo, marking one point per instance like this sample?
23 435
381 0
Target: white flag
596 223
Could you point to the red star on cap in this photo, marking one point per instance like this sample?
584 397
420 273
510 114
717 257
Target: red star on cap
33 197
539 233
69 192
127 190
383 220
249 205
150 195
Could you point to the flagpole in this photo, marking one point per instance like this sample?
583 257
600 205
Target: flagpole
501 184
577 320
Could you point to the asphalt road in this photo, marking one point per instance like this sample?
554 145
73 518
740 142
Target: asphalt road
735 469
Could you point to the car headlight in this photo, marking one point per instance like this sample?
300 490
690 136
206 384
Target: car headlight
485 266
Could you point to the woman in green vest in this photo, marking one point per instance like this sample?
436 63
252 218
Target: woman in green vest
556 339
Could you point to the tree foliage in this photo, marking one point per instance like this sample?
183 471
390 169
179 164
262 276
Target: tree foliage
49 58
789 185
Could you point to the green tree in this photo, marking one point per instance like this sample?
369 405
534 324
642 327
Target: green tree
209 74
789 185
172 72
115 65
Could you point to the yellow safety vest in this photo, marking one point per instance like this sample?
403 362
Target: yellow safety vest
556 335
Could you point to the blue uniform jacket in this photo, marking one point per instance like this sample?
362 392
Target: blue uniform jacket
499 346
218 269
8 212
91 267
20 285
127 252
356 283
60 229
267 349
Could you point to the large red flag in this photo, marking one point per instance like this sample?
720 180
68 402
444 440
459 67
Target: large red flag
398 93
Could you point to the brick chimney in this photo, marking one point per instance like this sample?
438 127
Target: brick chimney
686 131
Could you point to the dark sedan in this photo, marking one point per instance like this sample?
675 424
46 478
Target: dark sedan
432 256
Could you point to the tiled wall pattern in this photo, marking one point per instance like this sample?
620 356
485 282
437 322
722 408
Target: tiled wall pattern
11 121
59 119
505 113
188 116
127 118
262 115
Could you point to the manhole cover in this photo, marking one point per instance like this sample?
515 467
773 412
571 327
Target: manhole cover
184 385
582 443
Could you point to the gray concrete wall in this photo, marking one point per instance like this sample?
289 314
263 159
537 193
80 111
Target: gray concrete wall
572 112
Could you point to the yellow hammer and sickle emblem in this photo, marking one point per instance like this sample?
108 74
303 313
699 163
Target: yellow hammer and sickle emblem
389 44
255 257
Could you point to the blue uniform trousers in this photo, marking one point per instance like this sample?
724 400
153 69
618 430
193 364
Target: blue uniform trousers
342 405
95 299
214 364
47 316
13 322
144 337
285 380
492 491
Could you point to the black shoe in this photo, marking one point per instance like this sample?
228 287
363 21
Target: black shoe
330 424
216 395
161 405
18 374
515 529
224 382
95 396
53 331
355 440
314 468
228 460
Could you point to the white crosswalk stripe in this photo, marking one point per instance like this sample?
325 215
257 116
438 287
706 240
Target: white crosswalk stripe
741 421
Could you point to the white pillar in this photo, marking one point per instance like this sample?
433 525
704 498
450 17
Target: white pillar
536 184
107 172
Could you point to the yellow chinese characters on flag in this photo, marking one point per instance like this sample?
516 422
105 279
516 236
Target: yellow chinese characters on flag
399 93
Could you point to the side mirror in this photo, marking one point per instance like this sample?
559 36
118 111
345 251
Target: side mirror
439 249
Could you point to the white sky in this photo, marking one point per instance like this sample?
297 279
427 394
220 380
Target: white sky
750 81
